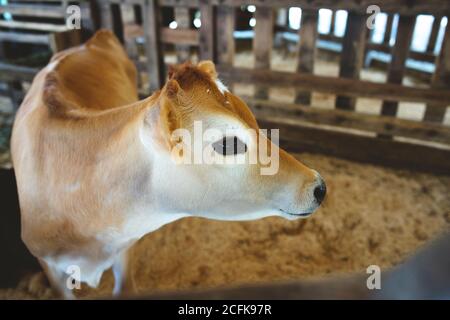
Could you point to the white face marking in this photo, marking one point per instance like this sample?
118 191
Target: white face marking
222 88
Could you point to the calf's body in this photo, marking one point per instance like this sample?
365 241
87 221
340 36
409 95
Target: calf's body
94 170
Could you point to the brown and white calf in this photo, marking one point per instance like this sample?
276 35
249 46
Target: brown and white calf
95 169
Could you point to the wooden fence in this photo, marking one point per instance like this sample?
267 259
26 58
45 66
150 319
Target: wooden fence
34 23
384 138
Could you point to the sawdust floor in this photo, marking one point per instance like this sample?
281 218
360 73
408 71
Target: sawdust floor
372 215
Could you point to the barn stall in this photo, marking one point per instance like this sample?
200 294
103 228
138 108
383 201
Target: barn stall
366 107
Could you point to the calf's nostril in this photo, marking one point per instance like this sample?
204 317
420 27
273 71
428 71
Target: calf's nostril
320 192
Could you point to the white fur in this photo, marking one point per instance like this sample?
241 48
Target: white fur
222 88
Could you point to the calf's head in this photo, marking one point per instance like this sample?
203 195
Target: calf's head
212 161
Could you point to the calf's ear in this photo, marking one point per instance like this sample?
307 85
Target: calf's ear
208 67
169 114
164 117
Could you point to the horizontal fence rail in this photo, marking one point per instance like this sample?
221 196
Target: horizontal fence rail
41 10
344 86
264 109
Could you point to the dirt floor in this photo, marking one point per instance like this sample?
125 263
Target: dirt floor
372 215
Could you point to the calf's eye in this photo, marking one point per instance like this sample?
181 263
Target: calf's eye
229 146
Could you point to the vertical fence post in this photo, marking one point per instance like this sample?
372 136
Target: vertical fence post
182 18
129 38
262 43
352 55
225 39
62 40
153 45
207 30
332 22
111 17
90 17
117 23
307 47
224 34
388 29
399 54
441 79
137 10
106 20
434 33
